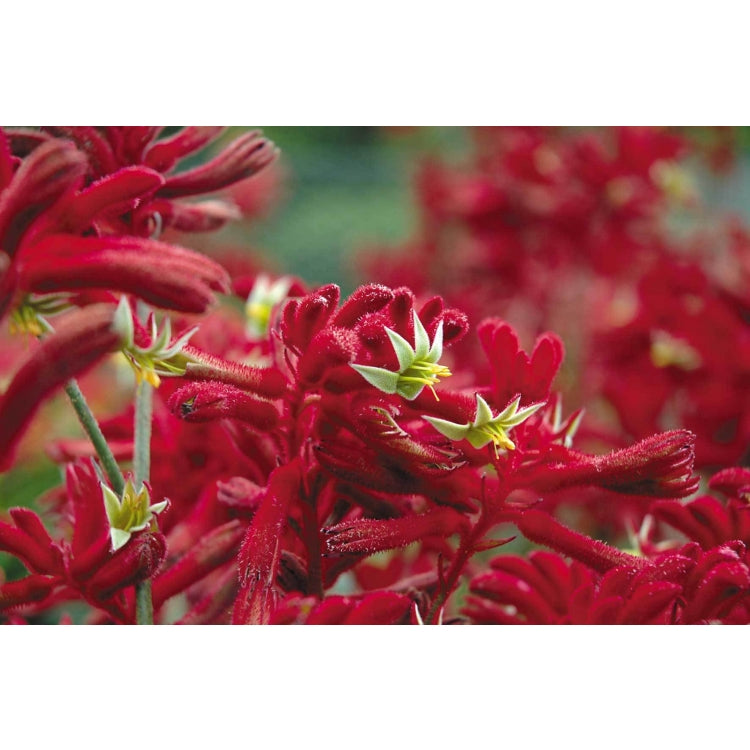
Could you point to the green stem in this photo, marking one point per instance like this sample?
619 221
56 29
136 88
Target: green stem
91 426
142 447
144 610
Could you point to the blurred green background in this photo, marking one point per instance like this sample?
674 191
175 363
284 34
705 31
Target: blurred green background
345 189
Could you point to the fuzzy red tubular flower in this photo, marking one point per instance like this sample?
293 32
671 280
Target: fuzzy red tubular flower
658 466
201 366
512 370
48 172
82 338
243 158
114 149
546 590
203 402
164 275
261 548
27 540
211 552
541 528
135 562
50 201
368 536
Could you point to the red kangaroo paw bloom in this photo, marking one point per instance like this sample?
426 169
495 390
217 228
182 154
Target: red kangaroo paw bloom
203 402
28 540
244 157
163 275
303 318
81 339
137 561
370 536
211 552
541 528
375 608
164 154
658 466
49 171
706 520
512 370
33 588
734 482
261 548
202 366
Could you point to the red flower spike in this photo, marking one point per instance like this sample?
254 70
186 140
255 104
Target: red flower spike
328 349
91 541
164 154
204 402
366 299
137 561
660 465
513 371
33 588
541 528
511 591
30 543
260 551
706 520
368 536
648 602
49 171
116 193
163 275
202 366
733 482
211 552
81 339
718 581
31 525
303 318
244 157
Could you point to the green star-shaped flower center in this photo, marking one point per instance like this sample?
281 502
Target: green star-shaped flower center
159 357
133 512
485 428
418 366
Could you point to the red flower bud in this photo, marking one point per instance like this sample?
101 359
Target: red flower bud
163 275
244 157
541 528
81 339
261 548
33 588
211 552
137 561
29 542
164 154
44 175
264 381
203 402
303 318
366 299
369 536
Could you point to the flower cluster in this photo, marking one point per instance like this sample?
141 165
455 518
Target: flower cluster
313 459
